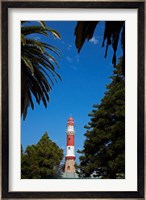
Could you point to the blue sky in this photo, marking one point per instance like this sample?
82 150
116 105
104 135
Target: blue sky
84 79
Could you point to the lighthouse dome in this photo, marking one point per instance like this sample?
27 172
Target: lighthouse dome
70 121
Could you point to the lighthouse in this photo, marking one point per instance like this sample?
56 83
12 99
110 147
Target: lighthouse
70 150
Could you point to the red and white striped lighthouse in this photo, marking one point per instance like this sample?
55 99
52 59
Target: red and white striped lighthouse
70 150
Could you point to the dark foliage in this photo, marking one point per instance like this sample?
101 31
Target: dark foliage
41 161
103 154
85 30
38 65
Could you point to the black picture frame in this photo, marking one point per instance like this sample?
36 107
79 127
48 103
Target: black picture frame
5 99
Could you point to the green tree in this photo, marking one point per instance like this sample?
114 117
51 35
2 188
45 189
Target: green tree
38 65
42 161
114 32
103 154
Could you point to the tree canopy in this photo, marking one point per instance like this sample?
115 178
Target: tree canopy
41 161
114 32
103 153
38 64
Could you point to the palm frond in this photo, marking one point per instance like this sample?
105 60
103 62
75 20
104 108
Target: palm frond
85 29
38 66
28 30
28 63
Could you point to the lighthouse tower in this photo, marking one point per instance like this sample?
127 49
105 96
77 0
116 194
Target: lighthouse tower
70 150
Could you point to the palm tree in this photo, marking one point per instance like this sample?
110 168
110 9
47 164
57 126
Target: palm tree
38 66
84 30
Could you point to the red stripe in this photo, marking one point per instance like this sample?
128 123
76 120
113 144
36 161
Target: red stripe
70 157
70 123
70 140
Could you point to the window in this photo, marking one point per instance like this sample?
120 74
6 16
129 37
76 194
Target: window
68 147
68 167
